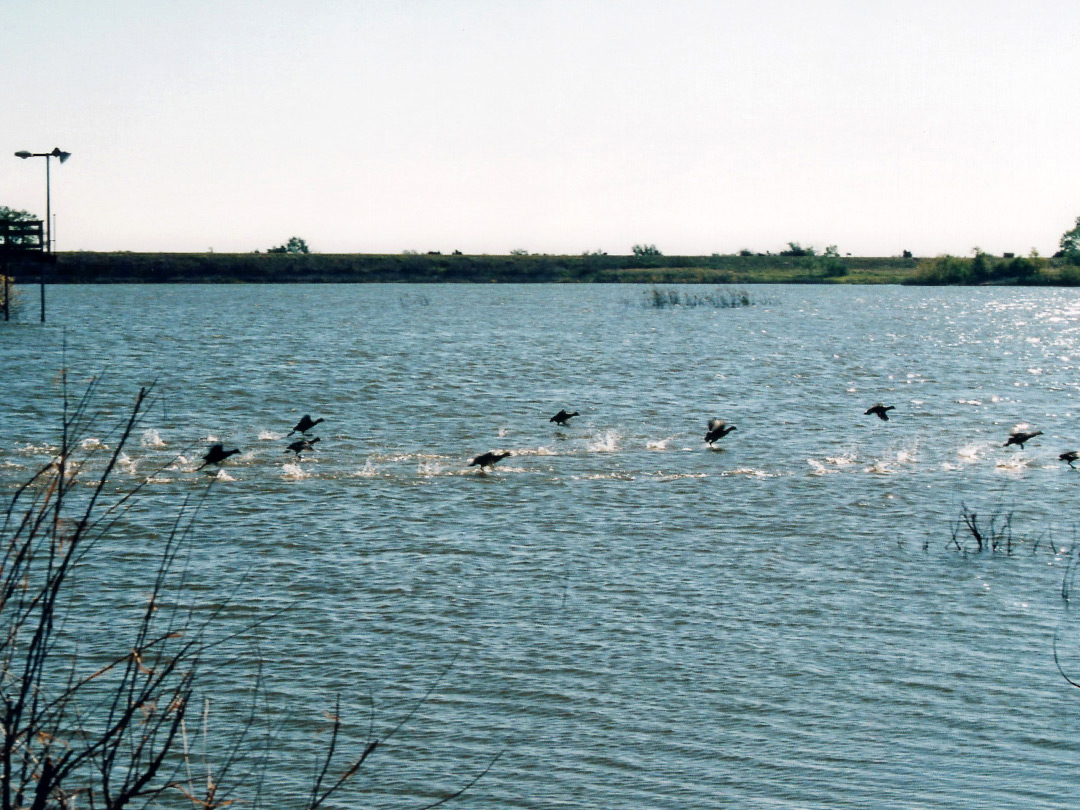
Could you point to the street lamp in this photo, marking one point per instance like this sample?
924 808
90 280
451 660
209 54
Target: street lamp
55 153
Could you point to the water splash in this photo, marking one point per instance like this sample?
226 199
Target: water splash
539 451
125 462
369 470
749 472
607 442
845 460
608 476
151 438
291 471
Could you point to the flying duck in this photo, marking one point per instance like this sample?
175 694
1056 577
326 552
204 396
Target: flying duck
562 417
1020 436
301 445
305 424
880 411
1070 456
489 459
718 429
217 454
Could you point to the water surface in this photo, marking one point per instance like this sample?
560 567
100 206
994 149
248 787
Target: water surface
632 619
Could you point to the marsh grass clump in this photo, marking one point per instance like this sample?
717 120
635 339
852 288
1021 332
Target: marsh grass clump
972 533
409 300
672 297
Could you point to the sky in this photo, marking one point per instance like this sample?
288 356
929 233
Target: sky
552 126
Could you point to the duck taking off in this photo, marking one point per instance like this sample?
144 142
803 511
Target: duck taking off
880 411
489 459
301 446
718 429
1070 456
562 417
305 424
217 454
1020 436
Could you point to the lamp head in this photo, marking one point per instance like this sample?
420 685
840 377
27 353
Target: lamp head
57 153
23 154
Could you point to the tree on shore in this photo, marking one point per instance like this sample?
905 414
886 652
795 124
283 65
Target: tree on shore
294 245
1070 243
646 250
13 215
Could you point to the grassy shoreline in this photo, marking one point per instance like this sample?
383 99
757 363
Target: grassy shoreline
258 268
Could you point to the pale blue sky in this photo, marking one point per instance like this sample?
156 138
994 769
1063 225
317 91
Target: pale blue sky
557 127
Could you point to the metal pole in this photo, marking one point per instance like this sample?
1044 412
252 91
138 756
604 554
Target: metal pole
48 208
48 233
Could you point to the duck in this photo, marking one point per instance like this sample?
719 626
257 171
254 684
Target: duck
217 454
301 446
880 411
489 459
305 424
1070 456
1020 436
718 429
562 417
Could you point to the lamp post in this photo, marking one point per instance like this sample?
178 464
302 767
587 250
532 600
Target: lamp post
63 156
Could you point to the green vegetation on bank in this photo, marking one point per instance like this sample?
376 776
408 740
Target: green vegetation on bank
641 267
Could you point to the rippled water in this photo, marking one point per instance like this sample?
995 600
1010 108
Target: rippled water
632 619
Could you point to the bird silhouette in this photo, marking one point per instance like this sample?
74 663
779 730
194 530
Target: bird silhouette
301 446
718 429
1070 456
488 459
880 411
217 454
562 417
305 424
1020 436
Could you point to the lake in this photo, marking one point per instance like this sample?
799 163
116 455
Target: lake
624 616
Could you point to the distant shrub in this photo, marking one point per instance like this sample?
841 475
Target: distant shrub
646 250
830 264
1068 276
944 269
795 249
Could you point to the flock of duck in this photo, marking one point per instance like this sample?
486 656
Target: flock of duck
716 430
217 452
